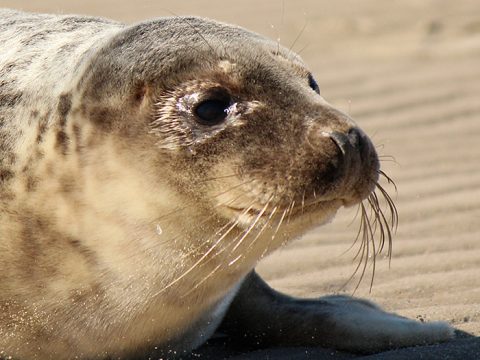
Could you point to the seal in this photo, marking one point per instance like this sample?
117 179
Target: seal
144 171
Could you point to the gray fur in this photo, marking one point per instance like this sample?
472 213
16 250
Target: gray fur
128 225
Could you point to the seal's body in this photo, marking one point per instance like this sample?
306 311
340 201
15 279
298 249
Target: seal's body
145 169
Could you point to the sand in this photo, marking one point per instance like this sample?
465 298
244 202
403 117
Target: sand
409 73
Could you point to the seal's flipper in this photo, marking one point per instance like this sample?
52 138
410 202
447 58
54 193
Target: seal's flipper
269 318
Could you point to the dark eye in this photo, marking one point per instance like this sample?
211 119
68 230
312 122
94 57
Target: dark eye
313 84
211 112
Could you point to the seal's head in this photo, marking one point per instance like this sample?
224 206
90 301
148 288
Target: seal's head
234 126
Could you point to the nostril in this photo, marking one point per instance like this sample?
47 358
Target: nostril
352 141
342 141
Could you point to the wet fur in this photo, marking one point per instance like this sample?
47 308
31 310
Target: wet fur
117 210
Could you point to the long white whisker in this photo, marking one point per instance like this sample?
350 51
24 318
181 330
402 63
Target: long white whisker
249 229
197 285
290 210
179 209
204 221
189 270
267 223
278 225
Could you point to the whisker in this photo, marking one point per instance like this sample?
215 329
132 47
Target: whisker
204 221
217 178
249 229
356 236
389 180
189 270
261 231
281 27
393 223
388 158
267 247
377 223
272 238
303 200
290 210
300 52
361 250
389 236
365 245
290 49
374 225
209 275
237 220
391 206
355 216
272 213
379 220
205 278
213 197
371 240
279 223
217 254
218 232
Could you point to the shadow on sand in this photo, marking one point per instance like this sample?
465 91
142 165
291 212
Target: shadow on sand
463 347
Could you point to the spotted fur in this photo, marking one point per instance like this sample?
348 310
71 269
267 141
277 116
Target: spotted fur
128 227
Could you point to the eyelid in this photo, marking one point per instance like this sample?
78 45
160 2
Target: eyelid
216 93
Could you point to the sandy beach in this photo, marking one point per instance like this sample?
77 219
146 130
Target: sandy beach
408 72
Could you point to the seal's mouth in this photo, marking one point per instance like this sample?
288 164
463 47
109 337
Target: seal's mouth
244 210
295 207
247 214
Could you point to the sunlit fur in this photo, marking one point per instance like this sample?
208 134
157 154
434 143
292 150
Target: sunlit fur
128 226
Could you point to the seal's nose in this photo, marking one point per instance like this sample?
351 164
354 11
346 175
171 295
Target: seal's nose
347 162
357 153
353 141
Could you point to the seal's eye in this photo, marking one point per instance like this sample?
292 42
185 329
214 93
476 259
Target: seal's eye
313 84
212 111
